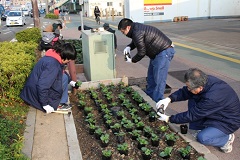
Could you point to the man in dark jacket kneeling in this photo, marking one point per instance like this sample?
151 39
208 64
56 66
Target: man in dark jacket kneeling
213 109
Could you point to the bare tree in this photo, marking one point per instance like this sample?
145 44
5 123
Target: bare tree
36 19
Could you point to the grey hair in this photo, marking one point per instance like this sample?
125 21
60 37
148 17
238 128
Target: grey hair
195 77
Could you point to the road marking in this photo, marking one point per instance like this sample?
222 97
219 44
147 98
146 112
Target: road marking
7 32
208 52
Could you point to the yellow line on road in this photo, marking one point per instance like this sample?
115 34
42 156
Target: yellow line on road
208 52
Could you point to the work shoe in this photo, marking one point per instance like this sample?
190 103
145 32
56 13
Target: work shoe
227 148
64 107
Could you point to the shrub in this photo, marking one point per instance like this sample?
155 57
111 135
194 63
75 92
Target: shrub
78 45
51 16
29 35
16 61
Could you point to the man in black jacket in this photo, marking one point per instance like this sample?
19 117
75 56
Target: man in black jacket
151 42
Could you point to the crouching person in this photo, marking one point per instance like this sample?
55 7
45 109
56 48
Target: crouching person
213 109
44 88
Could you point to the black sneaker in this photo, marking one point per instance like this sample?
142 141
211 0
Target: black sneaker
64 107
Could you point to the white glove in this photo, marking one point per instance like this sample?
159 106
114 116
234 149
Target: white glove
48 109
129 60
72 83
163 102
163 117
126 50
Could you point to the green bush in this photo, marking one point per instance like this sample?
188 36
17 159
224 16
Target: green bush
28 35
78 45
51 16
17 60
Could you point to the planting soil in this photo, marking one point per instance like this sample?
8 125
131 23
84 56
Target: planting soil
103 106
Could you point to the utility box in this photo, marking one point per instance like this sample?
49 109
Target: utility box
98 55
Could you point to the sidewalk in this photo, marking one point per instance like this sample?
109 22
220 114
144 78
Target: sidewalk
54 137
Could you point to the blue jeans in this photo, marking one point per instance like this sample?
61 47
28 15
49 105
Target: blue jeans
209 136
157 74
65 80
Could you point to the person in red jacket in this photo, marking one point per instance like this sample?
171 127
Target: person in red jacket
213 109
44 87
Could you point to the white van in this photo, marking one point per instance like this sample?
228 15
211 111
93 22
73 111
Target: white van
15 18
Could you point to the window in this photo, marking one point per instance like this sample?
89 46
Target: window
109 3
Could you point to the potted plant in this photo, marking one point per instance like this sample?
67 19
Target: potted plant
135 118
154 140
135 134
92 128
121 96
147 131
183 128
87 110
120 114
185 152
128 126
116 127
93 94
166 153
81 104
142 142
78 84
81 96
123 148
152 116
108 123
120 137
146 153
104 139
91 120
106 154
133 111
128 90
136 96
140 125
171 138
161 130
103 106
98 103
98 132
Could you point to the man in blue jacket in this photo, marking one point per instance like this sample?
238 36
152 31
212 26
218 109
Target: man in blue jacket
149 41
213 108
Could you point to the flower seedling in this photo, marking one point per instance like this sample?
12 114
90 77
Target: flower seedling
146 151
171 136
105 138
107 153
142 140
78 84
166 152
122 147
185 151
135 134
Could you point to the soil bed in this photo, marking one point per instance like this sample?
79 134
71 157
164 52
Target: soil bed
91 147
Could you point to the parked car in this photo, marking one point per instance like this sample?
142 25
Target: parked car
4 16
15 18
31 13
25 12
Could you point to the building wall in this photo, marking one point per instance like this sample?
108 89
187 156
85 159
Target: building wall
104 6
194 9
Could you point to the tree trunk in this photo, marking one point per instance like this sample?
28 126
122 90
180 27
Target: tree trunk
36 19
